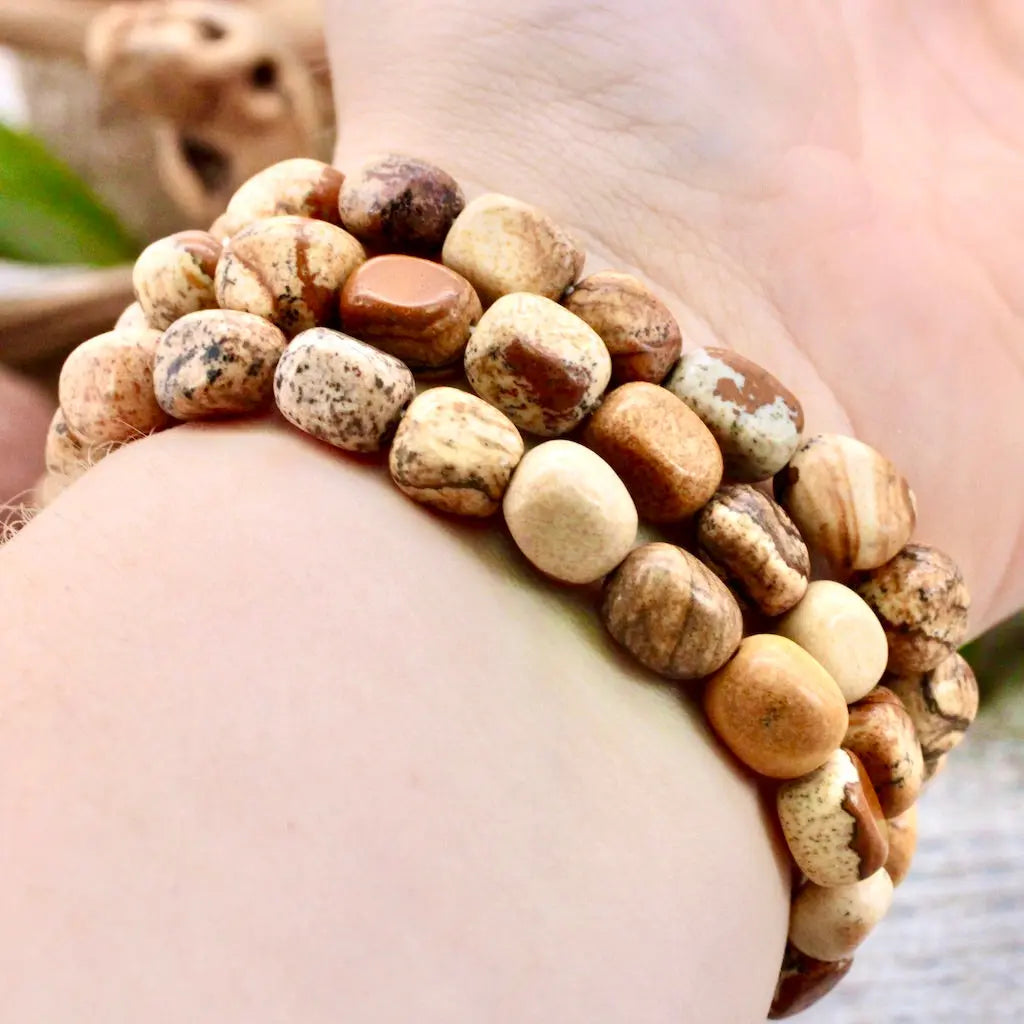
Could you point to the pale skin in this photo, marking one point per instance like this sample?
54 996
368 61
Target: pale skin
275 745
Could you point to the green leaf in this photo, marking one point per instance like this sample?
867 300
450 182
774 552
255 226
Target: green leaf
48 214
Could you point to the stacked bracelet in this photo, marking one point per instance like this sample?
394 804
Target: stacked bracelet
852 693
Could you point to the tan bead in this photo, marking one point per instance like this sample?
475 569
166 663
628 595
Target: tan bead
215 363
174 276
776 708
833 825
750 542
398 203
839 630
64 455
829 924
288 270
415 309
638 329
538 363
132 318
942 703
803 981
341 390
106 388
921 600
47 489
569 513
501 245
671 613
848 501
298 187
455 452
882 734
902 844
664 454
756 421
935 766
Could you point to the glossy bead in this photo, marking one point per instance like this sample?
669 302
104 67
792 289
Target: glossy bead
569 513
750 542
671 612
174 276
638 329
848 501
776 708
455 452
298 187
540 365
921 600
803 981
902 844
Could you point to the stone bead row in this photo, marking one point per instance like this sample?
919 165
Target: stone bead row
330 295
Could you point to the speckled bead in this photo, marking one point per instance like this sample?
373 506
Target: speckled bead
454 452
664 454
829 924
750 542
882 734
106 388
415 309
538 363
848 501
569 513
776 708
216 363
174 276
398 203
803 981
942 703
832 822
640 332
288 270
63 454
671 613
132 318
756 421
501 245
902 844
921 600
341 390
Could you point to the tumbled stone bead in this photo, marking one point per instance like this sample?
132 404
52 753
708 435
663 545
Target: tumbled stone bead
835 626
882 734
664 454
399 203
750 542
902 844
288 270
174 276
106 388
756 421
63 454
640 332
776 708
830 923
342 390
934 766
921 600
832 822
671 612
538 363
415 309
501 245
455 452
848 501
942 703
803 981
132 318
569 513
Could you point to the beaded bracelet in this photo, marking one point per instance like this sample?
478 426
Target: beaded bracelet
851 700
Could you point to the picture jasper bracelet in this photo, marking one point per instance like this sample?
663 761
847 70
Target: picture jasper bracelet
329 295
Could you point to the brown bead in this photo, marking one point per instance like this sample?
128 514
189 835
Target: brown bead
398 203
882 734
848 501
639 330
174 276
750 542
935 766
673 614
414 309
803 981
664 454
776 708
298 187
921 600
902 844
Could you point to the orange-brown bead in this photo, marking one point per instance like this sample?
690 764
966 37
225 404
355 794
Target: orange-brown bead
902 844
803 981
